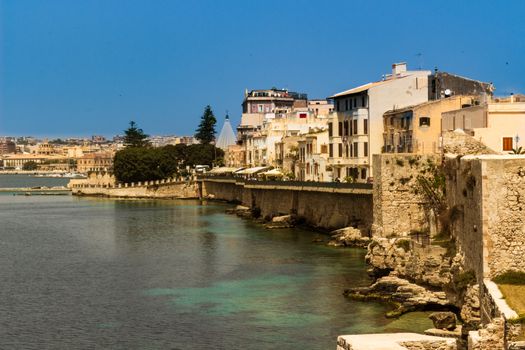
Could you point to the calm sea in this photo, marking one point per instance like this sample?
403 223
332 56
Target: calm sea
12 181
87 273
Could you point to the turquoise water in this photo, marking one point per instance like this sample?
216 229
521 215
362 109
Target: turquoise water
83 273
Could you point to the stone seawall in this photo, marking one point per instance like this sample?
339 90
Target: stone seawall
322 206
168 190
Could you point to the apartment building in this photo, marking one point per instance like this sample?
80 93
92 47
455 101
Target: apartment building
356 128
313 156
499 123
417 129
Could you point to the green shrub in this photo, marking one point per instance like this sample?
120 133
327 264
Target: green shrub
511 277
464 279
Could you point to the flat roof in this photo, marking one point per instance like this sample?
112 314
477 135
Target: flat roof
360 88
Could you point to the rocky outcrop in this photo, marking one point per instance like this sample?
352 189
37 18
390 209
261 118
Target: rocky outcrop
444 320
424 264
283 221
405 295
348 237
470 309
458 142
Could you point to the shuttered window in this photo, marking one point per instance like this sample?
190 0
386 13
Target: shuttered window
507 143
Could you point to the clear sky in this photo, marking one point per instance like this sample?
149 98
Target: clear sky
83 67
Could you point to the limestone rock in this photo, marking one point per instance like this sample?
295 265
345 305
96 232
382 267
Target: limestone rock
348 237
470 310
409 296
283 221
444 320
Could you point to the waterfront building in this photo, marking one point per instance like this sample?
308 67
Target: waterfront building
102 161
499 123
262 105
313 156
417 129
18 160
356 127
234 156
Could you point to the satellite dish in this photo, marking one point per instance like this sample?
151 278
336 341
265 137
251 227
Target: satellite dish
448 92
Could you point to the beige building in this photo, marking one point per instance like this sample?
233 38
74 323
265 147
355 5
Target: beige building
234 156
313 156
95 162
417 129
18 160
499 123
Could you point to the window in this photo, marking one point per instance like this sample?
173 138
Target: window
340 129
337 106
365 126
507 143
356 153
346 105
365 149
355 102
331 147
363 101
424 121
363 173
347 151
340 150
345 128
330 130
355 126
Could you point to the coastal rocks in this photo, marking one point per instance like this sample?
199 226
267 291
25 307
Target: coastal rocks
283 221
470 310
423 264
492 336
406 295
443 320
348 237
241 211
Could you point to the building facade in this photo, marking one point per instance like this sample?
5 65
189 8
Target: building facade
417 129
499 123
356 127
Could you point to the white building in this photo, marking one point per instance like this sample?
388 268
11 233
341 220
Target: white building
356 126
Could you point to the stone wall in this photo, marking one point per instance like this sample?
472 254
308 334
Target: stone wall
488 194
398 207
153 190
320 206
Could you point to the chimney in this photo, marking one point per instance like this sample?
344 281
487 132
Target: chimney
398 68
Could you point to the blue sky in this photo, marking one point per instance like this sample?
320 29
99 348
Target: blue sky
77 68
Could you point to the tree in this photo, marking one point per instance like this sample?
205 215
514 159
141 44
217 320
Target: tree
30 165
206 130
518 150
135 137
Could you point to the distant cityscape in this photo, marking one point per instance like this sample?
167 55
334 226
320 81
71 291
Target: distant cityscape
80 155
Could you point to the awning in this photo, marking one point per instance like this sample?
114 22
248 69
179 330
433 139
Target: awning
223 170
251 171
273 172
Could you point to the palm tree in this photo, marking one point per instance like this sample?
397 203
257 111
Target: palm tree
518 150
